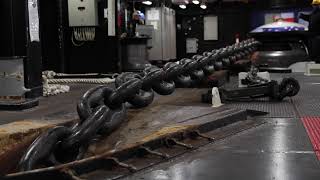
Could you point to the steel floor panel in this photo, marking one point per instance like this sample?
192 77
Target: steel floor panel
307 102
284 109
279 149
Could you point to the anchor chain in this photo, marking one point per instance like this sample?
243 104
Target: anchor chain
102 109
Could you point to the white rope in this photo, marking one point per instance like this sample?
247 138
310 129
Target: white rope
82 81
51 86
53 89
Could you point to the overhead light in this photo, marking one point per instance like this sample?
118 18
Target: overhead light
203 6
195 2
147 3
182 6
186 1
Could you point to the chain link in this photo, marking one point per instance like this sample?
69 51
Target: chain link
102 109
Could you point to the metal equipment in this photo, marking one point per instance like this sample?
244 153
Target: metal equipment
289 87
20 55
102 109
12 77
83 17
282 44
163 21
13 85
135 53
146 31
253 78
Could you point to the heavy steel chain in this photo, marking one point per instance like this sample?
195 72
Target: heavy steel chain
102 109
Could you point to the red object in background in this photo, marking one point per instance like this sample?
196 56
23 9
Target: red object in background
119 20
288 17
312 125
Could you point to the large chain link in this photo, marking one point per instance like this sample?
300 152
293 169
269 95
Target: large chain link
102 109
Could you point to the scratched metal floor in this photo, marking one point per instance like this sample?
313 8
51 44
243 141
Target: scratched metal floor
279 150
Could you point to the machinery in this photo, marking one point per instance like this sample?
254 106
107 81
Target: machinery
83 18
20 58
283 44
13 83
258 87
136 56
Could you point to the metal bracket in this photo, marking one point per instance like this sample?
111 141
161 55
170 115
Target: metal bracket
172 141
116 161
155 153
198 134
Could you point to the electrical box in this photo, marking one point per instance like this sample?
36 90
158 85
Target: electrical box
83 13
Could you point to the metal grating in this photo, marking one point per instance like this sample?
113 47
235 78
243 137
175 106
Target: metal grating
312 125
306 103
283 109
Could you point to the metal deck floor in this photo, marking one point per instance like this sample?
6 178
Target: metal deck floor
277 150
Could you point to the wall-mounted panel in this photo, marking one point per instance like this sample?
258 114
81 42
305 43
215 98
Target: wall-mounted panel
83 13
210 28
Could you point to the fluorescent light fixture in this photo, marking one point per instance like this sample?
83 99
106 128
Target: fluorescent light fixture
203 6
182 6
147 3
195 2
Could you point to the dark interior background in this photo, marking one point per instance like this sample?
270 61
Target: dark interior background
12 31
102 55
232 19
98 56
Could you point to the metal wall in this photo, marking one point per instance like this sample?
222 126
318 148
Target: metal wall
164 38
